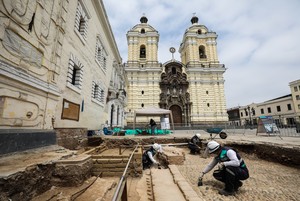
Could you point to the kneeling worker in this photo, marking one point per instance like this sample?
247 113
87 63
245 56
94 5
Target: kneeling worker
148 156
232 168
194 144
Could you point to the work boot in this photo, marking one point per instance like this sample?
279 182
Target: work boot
225 192
237 185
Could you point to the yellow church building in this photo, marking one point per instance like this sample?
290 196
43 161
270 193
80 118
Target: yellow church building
193 88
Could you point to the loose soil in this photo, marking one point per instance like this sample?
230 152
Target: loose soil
268 181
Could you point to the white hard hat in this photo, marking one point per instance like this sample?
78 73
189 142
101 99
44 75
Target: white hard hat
155 146
212 146
198 135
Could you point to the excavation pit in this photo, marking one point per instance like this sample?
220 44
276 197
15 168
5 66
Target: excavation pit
274 169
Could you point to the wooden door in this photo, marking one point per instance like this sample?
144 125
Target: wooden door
177 114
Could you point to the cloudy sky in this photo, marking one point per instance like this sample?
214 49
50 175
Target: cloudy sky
258 40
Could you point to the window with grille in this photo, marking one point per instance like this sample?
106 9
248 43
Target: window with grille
81 20
104 63
81 27
98 92
75 72
101 55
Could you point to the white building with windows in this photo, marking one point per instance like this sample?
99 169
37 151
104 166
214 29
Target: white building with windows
295 90
281 109
59 66
285 110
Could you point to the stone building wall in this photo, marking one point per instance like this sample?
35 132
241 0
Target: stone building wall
56 62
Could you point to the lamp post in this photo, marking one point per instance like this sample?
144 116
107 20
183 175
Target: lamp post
247 110
250 116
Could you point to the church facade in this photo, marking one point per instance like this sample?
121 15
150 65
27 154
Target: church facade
193 88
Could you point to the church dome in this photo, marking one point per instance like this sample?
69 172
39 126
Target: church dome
143 19
194 20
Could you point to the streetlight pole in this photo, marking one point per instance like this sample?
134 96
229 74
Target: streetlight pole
250 116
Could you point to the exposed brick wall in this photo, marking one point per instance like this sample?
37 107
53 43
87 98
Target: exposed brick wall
71 138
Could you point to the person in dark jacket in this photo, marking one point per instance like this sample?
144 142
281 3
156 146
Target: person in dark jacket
148 156
152 126
195 143
232 168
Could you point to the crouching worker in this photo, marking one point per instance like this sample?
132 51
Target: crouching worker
194 144
232 168
148 156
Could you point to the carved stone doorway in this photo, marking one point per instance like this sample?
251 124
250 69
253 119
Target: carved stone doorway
177 114
174 92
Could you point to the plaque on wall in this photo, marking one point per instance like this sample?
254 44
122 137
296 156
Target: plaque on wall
70 110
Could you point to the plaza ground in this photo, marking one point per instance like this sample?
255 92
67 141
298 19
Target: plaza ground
270 178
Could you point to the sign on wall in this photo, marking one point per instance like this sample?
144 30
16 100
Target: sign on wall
70 110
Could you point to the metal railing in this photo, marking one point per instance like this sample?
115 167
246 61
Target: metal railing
121 190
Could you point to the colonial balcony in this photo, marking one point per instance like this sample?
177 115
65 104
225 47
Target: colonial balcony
120 94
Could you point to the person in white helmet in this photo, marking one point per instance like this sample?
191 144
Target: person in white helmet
195 143
148 155
232 168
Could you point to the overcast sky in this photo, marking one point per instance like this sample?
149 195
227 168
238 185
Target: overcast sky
258 40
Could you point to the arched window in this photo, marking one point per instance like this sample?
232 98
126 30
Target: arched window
173 70
199 31
142 51
142 31
202 54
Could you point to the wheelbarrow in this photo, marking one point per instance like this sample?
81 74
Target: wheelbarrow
216 131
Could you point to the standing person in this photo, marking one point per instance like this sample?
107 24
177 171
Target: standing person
152 126
232 168
194 144
148 156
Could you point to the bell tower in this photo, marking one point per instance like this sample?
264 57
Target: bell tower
142 68
199 46
142 42
198 52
